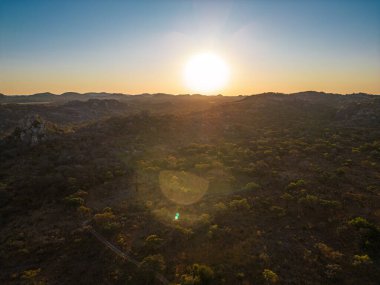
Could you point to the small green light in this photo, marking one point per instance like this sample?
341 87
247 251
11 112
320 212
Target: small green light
176 216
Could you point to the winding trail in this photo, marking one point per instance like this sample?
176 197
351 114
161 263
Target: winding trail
121 254
112 247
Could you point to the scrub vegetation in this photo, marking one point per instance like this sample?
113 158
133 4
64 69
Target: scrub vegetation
286 191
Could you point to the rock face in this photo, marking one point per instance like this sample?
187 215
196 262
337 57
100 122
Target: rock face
31 131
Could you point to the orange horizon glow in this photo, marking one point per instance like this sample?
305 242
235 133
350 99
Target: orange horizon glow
244 79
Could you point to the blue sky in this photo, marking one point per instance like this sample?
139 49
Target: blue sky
141 46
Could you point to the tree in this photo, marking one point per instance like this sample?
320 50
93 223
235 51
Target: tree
199 274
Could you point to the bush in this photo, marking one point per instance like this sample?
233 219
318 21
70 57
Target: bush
30 274
185 232
333 271
270 276
199 274
204 220
84 211
360 222
327 251
370 236
106 221
278 211
309 200
153 263
104 217
188 279
153 241
296 184
220 207
241 204
205 273
330 204
251 186
287 196
312 201
213 231
80 193
361 260
73 201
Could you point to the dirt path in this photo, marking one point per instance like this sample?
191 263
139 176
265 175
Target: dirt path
123 255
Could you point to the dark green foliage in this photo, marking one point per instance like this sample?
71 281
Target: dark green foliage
198 274
370 236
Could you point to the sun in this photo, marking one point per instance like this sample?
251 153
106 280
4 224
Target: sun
206 73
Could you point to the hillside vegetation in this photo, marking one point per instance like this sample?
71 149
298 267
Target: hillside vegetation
265 189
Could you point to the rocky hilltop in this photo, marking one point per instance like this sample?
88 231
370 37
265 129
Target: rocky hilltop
33 130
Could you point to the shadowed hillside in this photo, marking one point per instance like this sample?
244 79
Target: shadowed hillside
261 189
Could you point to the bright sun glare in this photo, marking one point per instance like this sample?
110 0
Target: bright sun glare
206 73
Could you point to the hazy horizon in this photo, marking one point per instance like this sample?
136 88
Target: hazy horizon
186 94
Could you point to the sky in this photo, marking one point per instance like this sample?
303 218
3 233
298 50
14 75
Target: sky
141 46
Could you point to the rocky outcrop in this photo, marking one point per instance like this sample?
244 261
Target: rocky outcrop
33 130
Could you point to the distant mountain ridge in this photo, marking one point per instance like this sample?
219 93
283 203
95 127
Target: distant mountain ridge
64 97
71 93
47 97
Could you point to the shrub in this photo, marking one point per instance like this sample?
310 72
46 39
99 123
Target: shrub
73 201
153 241
200 274
333 271
309 200
220 207
270 276
84 211
251 186
80 193
104 217
189 279
327 251
153 263
240 275
360 222
30 274
186 232
330 204
205 220
106 221
278 211
241 204
296 184
361 260
370 236
312 201
287 196
205 273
